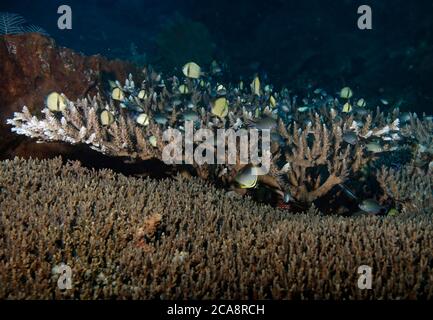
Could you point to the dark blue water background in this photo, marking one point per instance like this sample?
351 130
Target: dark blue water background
290 43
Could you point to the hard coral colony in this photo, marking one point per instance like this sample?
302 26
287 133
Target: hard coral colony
321 144
126 239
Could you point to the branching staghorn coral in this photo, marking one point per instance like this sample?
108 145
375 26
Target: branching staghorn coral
418 129
80 123
163 106
317 159
409 187
315 145
421 130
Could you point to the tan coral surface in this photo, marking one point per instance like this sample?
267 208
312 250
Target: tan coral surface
140 238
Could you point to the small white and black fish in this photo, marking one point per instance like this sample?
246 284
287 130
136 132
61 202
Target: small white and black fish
190 115
264 123
247 178
192 70
374 147
347 191
106 117
56 102
371 206
160 118
350 137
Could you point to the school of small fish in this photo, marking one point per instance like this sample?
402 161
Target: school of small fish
199 96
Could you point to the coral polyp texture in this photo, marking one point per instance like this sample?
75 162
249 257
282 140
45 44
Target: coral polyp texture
126 237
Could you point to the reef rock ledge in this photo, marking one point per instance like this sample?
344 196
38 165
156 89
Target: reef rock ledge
32 66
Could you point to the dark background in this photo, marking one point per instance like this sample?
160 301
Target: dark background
295 44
